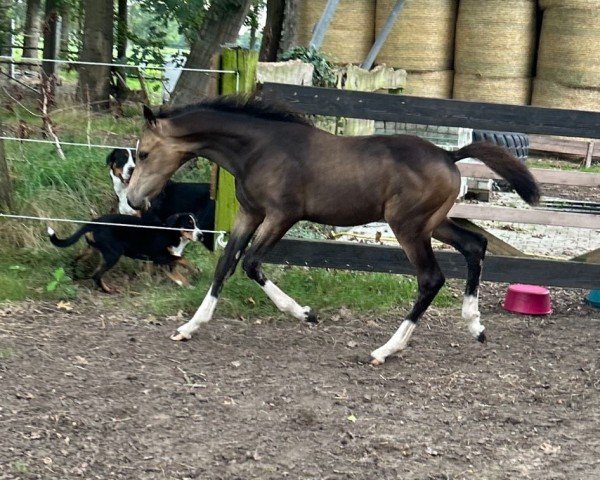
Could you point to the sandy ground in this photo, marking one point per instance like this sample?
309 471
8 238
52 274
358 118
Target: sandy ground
97 393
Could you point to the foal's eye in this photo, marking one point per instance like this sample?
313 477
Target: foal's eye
142 155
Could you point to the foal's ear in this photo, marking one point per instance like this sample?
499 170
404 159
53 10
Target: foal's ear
149 116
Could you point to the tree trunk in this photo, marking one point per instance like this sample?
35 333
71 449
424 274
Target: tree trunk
122 31
121 81
221 24
32 29
5 183
65 31
94 80
272 31
51 36
289 29
5 28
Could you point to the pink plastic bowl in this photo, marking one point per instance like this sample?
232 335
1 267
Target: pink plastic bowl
527 299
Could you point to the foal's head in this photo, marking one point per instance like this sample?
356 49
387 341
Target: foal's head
159 155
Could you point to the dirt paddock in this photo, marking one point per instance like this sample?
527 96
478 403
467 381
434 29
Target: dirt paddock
98 393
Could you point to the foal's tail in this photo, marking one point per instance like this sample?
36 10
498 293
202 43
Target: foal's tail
504 164
67 242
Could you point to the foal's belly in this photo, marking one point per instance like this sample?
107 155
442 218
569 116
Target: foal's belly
344 213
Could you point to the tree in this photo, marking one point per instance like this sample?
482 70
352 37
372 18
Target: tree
222 23
94 80
32 29
51 36
272 31
5 27
289 29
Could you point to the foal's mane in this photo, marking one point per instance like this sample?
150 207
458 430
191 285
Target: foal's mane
253 106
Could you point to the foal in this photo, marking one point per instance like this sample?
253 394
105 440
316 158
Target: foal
287 170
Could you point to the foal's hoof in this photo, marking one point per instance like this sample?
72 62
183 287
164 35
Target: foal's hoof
180 337
376 361
481 338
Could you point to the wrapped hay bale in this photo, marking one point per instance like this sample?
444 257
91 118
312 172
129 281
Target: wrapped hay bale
509 90
430 84
569 51
570 3
351 32
422 38
495 38
552 94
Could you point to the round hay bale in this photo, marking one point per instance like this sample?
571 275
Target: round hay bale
552 94
429 84
351 32
569 3
422 38
569 51
495 38
515 91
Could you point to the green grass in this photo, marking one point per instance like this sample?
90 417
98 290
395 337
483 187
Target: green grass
79 188
553 163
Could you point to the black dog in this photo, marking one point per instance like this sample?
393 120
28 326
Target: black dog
162 247
175 198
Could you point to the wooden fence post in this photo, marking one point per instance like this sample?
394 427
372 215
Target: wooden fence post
244 62
5 184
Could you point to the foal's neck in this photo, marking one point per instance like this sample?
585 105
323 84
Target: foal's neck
224 138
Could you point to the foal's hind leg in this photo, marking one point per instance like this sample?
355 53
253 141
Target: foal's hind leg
267 235
472 245
243 229
429 278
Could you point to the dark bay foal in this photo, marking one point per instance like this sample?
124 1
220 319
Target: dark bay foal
287 170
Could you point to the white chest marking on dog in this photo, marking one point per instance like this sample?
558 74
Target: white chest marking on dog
284 302
470 312
178 250
203 315
398 342
50 231
121 191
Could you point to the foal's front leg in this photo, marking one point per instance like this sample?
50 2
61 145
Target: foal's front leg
243 229
267 235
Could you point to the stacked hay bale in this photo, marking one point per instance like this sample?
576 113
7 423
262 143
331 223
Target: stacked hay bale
495 46
568 69
351 32
421 42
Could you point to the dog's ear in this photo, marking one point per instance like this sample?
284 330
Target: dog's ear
149 117
110 158
172 220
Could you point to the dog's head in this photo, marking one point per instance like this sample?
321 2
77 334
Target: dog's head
121 162
187 223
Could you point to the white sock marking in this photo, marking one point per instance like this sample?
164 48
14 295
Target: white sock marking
284 302
470 313
398 341
202 315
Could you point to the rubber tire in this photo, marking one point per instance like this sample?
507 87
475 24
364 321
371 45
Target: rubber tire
515 143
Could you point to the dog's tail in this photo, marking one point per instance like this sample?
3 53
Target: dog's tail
504 164
67 242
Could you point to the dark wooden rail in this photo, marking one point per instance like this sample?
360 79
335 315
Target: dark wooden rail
434 111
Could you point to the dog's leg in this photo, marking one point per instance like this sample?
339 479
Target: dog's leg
187 265
178 278
109 260
87 253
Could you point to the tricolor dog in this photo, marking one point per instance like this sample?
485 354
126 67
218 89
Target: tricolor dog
175 198
162 247
121 162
